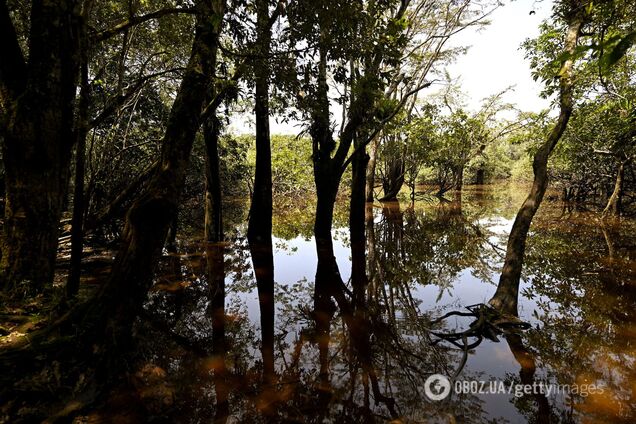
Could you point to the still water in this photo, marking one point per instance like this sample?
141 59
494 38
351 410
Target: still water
423 260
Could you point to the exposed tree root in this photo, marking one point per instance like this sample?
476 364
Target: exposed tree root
489 323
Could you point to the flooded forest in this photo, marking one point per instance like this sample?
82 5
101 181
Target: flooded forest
293 211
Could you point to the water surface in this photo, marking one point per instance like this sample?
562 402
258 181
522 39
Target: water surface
423 260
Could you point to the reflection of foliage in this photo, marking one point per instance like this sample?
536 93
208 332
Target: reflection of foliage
583 280
584 317
432 245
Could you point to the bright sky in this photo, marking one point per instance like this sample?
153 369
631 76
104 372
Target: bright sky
493 62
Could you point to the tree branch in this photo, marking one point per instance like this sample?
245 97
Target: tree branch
118 101
383 123
136 20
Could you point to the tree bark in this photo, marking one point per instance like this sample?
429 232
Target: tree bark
614 202
373 151
259 232
394 180
459 179
37 105
506 296
357 226
213 225
480 177
79 207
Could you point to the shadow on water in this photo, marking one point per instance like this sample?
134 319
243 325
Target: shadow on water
219 343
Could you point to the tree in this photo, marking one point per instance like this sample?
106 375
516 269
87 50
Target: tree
149 217
37 98
574 17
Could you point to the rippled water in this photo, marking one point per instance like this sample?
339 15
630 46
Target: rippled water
423 260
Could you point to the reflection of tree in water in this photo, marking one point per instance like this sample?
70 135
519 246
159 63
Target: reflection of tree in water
431 245
583 281
325 369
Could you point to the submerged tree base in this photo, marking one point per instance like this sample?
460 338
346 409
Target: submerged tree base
489 323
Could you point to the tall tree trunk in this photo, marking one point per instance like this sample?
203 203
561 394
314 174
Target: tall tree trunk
459 178
147 221
357 225
505 298
37 105
480 176
614 202
327 176
213 226
327 272
259 232
370 185
79 207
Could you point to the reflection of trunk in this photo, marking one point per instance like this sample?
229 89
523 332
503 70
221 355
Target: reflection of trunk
147 221
611 249
216 283
356 226
505 298
370 184
457 201
323 314
393 235
614 203
528 367
259 231
263 260
394 179
36 107
213 231
372 254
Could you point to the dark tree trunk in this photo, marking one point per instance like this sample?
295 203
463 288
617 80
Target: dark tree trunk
327 272
79 207
480 177
459 178
357 226
121 298
505 298
37 104
173 227
259 232
213 230
370 184
327 176
394 180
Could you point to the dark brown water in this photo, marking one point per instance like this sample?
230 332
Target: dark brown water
423 260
